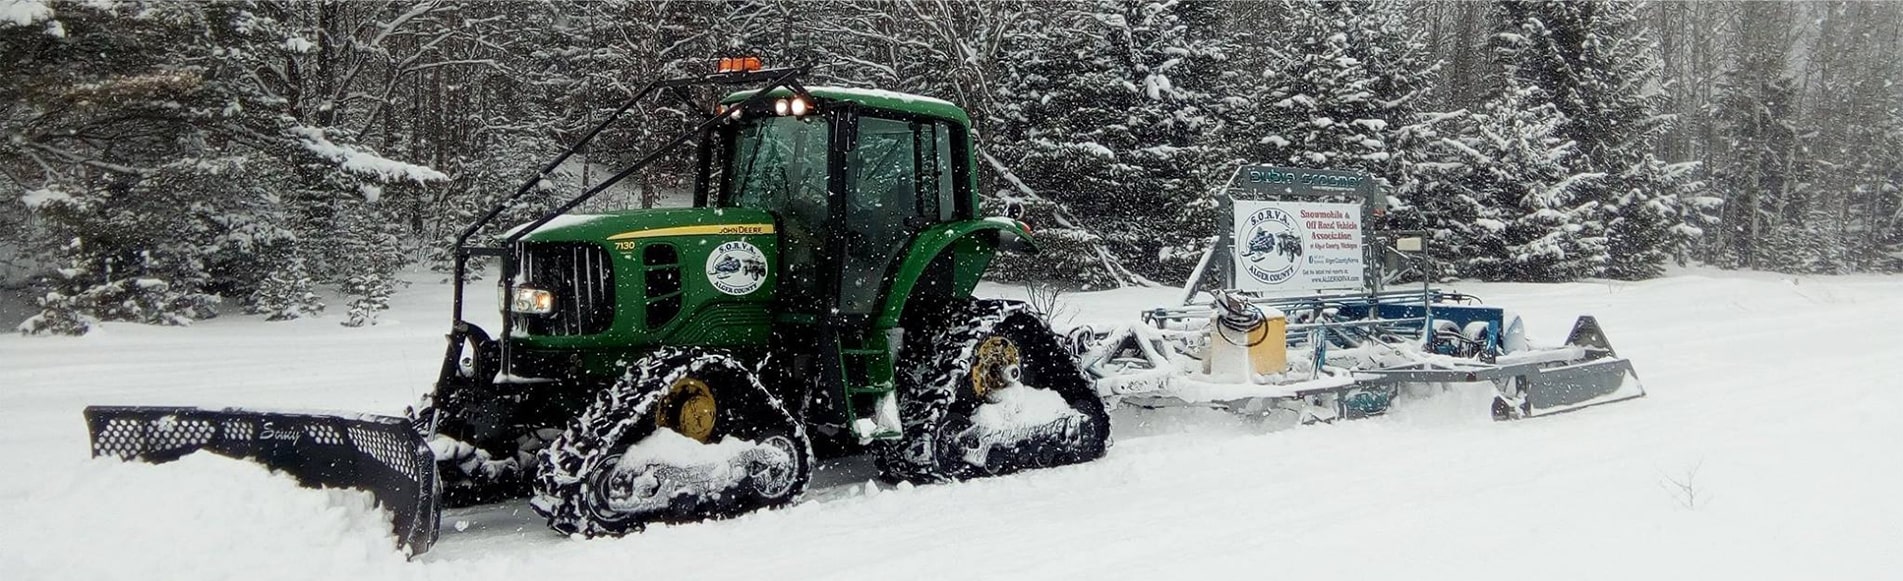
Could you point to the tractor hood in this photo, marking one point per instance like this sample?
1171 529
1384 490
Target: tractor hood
643 224
628 281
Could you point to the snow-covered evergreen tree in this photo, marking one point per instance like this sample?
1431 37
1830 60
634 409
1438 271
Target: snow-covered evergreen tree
1037 66
373 249
1759 168
482 179
371 294
1344 89
1508 207
285 294
1856 202
153 248
1758 171
1600 71
1118 125
59 315
1433 195
1348 79
189 145
194 148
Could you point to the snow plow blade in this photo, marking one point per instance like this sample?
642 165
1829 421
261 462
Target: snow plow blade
1602 378
379 454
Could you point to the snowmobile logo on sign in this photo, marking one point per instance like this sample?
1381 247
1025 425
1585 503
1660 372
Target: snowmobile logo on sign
1295 246
736 268
1272 244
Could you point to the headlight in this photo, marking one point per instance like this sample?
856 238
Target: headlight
794 106
532 301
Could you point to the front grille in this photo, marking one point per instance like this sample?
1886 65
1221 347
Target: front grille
582 278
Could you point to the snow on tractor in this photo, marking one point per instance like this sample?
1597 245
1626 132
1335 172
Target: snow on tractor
674 365
681 364
1309 333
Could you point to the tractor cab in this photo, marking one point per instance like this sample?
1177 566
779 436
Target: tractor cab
851 176
817 211
873 200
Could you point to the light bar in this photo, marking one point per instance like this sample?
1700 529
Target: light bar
738 64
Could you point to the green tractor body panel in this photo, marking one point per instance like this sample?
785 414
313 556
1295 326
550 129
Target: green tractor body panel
681 276
970 243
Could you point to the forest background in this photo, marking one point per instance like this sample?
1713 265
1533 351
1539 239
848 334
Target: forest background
165 161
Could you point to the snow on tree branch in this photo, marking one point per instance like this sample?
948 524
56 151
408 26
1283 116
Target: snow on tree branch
24 12
355 160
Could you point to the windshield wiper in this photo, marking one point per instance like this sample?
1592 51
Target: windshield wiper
753 154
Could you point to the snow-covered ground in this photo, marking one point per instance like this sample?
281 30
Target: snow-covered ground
1766 450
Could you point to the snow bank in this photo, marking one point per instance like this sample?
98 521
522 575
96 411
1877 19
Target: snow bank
203 517
1773 400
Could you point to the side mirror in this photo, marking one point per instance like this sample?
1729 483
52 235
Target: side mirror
1014 210
1409 244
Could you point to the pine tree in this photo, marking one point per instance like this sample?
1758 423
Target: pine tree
1857 112
1528 221
1339 93
1438 195
187 144
1757 171
375 254
1884 251
1345 90
89 131
147 249
485 178
1600 71
1037 68
59 315
1118 125
372 296
285 294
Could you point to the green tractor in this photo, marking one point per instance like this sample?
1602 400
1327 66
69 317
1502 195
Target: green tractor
673 365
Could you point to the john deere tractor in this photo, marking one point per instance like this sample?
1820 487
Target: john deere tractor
670 365
817 296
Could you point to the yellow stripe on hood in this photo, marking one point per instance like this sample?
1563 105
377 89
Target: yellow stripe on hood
702 230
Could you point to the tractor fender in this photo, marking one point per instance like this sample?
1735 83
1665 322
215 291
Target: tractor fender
971 243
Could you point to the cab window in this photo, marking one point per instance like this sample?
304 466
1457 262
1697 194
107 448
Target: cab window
898 181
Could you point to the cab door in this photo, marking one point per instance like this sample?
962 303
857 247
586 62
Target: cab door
898 181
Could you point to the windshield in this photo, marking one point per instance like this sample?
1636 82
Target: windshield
779 164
